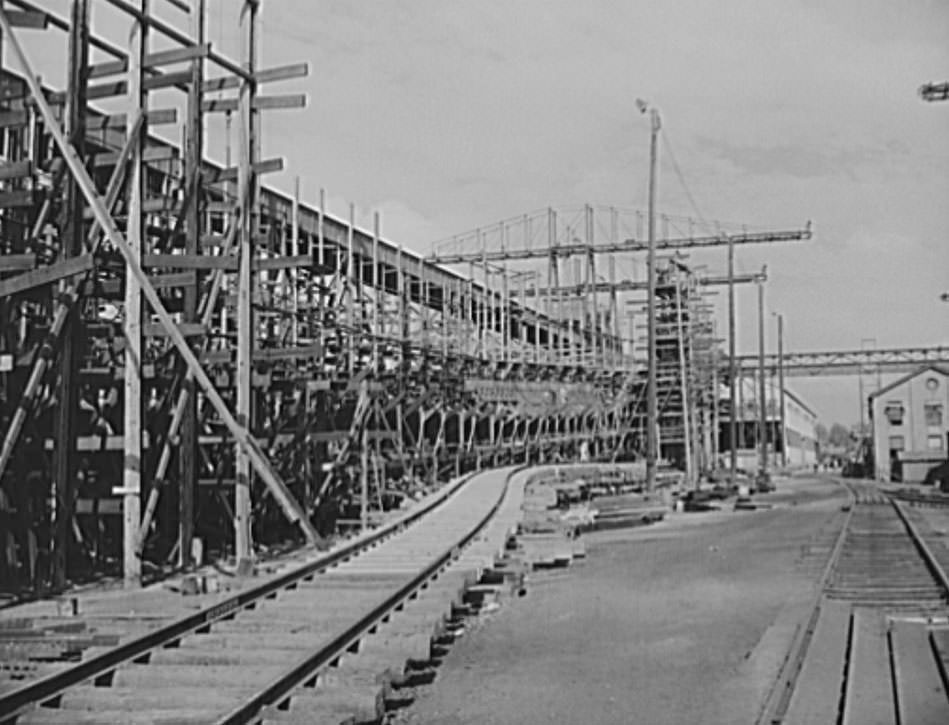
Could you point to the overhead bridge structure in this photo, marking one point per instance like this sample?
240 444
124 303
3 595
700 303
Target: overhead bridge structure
846 362
187 355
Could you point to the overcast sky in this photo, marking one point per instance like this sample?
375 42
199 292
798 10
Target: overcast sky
449 115
446 115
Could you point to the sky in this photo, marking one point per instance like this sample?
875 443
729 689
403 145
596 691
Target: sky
446 115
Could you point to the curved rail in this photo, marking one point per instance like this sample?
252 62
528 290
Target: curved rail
102 667
304 670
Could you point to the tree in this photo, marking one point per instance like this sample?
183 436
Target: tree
839 435
822 434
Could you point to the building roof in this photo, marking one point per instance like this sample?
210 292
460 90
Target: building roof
800 402
909 376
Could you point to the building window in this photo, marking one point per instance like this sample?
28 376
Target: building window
933 413
894 411
934 442
932 383
897 443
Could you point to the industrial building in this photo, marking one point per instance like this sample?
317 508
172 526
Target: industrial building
908 419
797 437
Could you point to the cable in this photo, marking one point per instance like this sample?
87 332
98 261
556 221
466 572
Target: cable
678 171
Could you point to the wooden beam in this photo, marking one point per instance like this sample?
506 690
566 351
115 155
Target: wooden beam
28 19
282 73
177 55
17 262
9 119
285 499
276 103
190 261
275 263
118 121
188 329
229 174
17 199
151 154
46 275
16 170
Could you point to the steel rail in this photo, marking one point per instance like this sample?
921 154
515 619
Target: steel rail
14 703
251 711
932 563
779 696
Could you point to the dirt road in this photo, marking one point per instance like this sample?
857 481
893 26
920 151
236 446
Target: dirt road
683 622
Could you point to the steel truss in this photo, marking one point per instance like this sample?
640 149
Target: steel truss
848 362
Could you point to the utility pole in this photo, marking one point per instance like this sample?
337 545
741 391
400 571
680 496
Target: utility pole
652 407
784 421
762 403
732 371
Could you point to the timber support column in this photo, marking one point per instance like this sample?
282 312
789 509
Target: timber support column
246 191
64 461
194 135
132 423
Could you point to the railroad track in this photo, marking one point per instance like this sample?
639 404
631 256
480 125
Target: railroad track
324 642
874 647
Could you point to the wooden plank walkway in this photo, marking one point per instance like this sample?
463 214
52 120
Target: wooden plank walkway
816 696
869 690
920 692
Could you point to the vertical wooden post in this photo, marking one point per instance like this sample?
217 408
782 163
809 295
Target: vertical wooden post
132 420
783 401
194 135
470 321
294 250
536 313
423 302
732 370
615 349
320 215
380 293
246 184
364 463
484 312
762 402
64 462
403 323
652 415
684 384
505 310
350 288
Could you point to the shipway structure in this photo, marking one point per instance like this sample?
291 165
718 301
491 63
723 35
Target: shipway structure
187 355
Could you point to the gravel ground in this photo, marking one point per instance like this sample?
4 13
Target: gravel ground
685 621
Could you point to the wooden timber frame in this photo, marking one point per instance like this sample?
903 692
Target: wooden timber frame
187 355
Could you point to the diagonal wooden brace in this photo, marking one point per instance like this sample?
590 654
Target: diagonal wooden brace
258 460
